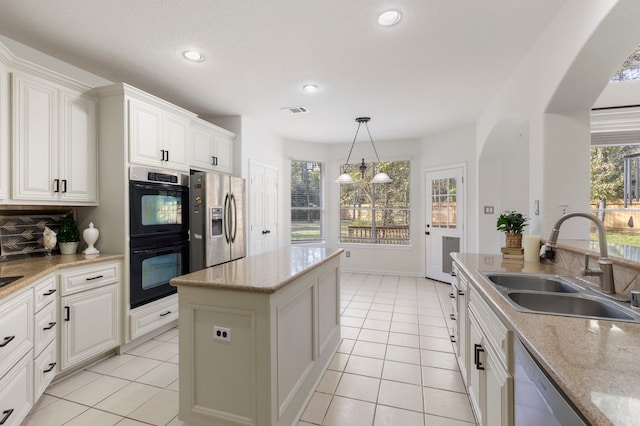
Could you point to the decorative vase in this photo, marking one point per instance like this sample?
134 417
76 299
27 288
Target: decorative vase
49 240
90 236
68 248
513 240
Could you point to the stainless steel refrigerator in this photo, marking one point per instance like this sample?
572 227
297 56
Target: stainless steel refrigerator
216 220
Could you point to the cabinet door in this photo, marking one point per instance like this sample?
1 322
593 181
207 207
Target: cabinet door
223 153
498 391
35 140
145 134
202 148
176 135
89 324
462 324
476 378
78 148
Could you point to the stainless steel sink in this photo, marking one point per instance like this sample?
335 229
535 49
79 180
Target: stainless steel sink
532 282
8 280
558 295
570 305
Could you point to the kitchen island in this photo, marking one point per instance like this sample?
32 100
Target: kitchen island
256 335
592 361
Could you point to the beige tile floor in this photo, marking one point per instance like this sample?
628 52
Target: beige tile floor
395 366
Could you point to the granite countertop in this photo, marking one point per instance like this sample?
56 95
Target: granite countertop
34 268
594 362
262 273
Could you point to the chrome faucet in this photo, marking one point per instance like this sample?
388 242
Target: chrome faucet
606 266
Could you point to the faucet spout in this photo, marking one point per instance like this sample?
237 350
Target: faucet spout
606 266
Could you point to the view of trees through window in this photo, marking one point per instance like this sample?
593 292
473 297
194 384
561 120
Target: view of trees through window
306 201
630 69
608 195
375 213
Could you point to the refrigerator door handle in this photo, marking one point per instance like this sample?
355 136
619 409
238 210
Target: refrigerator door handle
225 219
235 218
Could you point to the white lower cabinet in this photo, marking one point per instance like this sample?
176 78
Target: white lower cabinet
488 352
90 324
152 316
45 369
16 392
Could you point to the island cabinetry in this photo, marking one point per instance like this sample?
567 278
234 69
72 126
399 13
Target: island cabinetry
489 364
54 142
254 357
158 137
211 147
89 312
16 357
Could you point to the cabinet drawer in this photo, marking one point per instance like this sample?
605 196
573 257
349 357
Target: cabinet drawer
46 327
45 368
85 278
44 291
153 315
16 329
16 392
498 336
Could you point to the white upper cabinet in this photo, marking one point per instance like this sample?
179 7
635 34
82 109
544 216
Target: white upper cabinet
54 143
211 147
157 137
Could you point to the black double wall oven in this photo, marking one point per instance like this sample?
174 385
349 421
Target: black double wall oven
159 232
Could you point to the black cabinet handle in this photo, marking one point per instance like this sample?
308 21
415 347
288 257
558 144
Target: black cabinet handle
214 161
51 367
50 292
167 155
452 316
453 274
50 326
165 313
7 340
451 295
162 155
452 338
94 278
64 185
56 183
476 356
5 416
461 293
67 313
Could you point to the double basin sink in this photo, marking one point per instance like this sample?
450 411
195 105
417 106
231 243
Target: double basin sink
557 295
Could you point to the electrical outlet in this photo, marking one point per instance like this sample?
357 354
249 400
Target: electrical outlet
564 208
221 333
347 253
488 209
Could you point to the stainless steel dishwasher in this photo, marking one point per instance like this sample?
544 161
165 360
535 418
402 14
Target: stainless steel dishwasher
537 399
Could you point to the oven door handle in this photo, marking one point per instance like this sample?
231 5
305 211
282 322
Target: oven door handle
170 249
161 186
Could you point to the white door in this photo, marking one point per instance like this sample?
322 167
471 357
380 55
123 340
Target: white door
263 208
444 220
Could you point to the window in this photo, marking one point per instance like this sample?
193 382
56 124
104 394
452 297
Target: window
443 203
375 213
630 69
306 201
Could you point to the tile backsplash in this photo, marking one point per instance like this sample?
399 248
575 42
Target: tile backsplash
21 234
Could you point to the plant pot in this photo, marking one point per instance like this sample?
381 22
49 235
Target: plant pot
68 248
513 240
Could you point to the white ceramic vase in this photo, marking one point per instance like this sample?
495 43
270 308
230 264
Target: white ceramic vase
90 236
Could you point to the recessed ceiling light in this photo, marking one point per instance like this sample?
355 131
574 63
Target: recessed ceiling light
389 18
310 88
192 55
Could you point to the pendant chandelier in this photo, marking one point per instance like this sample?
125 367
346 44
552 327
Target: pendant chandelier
379 177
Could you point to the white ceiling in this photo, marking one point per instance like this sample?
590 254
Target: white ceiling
433 71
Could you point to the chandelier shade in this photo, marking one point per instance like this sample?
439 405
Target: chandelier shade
379 177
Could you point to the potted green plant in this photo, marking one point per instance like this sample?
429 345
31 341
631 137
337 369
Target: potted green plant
68 235
512 224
